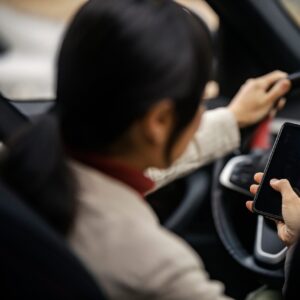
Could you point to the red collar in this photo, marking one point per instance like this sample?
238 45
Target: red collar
120 171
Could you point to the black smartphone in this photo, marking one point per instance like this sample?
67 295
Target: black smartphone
283 163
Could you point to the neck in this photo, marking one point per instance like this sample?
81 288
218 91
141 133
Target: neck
130 159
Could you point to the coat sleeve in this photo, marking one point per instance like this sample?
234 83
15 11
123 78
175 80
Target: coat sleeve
184 276
217 136
161 267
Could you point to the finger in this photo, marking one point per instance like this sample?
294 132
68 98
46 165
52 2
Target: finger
281 231
279 89
270 78
273 113
285 234
276 221
258 177
281 104
249 205
254 188
283 186
280 226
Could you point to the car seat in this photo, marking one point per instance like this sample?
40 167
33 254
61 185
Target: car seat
11 118
35 262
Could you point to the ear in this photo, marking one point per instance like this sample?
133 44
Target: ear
158 122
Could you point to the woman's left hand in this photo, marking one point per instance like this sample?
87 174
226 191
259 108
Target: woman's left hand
257 98
289 229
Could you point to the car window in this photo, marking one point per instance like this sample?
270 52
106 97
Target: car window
292 7
204 10
31 31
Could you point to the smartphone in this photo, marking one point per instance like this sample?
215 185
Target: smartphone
283 163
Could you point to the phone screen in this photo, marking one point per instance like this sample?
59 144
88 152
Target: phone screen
284 163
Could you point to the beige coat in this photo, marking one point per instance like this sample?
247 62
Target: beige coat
119 238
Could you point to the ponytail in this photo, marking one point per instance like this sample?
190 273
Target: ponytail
34 165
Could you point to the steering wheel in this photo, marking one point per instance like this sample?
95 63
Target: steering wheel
197 188
267 253
261 251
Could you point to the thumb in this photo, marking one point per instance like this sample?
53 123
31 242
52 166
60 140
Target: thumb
283 186
281 229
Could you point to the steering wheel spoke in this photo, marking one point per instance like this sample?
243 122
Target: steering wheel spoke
268 248
267 254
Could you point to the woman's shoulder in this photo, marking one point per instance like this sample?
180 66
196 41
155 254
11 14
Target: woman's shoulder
122 243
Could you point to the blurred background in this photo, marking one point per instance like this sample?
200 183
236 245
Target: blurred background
30 34
31 31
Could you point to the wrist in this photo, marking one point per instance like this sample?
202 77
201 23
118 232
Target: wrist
241 123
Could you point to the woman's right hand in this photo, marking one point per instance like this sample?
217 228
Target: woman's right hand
289 229
257 98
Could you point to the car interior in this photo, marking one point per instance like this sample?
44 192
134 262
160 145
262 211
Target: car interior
205 208
25 242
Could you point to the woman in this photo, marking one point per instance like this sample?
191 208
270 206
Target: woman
130 79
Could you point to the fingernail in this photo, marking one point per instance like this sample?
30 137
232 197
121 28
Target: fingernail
273 181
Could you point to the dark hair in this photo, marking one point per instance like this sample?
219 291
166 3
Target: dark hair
33 164
118 58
